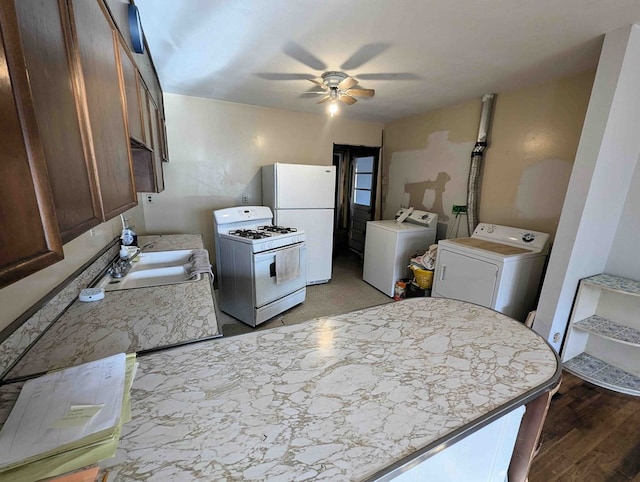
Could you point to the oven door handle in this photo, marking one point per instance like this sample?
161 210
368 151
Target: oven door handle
272 270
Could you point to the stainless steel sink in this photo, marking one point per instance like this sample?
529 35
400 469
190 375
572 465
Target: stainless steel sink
153 269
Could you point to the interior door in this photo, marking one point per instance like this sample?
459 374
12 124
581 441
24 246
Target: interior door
465 278
362 199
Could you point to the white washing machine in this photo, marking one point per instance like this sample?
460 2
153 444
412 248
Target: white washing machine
389 245
498 267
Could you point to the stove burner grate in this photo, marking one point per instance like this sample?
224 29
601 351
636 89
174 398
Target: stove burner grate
250 233
277 229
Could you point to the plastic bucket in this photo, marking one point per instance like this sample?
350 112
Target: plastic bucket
424 277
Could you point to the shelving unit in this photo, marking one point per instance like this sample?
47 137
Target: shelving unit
603 342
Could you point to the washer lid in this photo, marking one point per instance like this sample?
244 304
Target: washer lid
391 225
498 248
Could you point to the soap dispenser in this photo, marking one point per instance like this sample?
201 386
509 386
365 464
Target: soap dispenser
128 236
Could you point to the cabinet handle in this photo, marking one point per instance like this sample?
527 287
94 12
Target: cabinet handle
442 272
272 270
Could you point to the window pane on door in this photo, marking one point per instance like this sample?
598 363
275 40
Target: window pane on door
362 197
363 181
364 164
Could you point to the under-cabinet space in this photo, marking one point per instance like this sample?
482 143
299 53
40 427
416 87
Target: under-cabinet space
603 342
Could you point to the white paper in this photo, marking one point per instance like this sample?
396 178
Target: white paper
46 400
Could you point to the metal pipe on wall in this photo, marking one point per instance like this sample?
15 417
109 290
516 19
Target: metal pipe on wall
476 162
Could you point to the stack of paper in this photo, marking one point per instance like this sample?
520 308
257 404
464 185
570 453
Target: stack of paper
67 419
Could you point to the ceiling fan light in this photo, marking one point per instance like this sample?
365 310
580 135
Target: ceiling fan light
333 108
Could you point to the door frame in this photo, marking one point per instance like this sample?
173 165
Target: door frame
343 159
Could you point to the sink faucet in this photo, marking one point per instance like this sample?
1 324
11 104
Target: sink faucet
121 266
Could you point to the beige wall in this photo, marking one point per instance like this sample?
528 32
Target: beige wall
533 141
18 297
216 150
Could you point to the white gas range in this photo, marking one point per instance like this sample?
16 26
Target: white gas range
260 267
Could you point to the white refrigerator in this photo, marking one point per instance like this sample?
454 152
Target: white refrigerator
303 196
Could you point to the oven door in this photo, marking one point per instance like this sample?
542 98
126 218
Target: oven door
266 288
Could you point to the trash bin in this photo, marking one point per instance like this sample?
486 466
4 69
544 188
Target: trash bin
424 277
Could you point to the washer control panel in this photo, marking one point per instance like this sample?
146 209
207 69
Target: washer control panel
423 218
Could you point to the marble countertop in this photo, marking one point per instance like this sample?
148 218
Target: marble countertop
336 398
127 320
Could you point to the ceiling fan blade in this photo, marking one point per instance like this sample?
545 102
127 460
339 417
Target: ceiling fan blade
390 76
318 83
324 99
361 92
347 99
347 83
363 55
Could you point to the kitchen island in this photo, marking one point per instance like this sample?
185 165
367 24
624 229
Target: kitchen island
358 396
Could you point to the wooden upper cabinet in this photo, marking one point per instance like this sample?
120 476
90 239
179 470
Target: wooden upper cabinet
132 95
147 163
29 236
164 150
52 68
97 44
156 130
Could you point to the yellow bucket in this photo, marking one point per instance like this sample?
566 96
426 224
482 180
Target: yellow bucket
424 278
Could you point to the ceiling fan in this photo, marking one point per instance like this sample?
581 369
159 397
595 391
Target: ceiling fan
339 86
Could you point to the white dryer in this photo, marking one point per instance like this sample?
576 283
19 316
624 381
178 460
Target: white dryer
498 267
389 245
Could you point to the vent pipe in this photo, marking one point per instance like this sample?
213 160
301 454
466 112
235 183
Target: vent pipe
476 162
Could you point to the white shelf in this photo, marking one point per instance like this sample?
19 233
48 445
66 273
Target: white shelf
603 341
603 374
614 283
609 329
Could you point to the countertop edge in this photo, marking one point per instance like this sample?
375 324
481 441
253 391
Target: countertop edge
392 471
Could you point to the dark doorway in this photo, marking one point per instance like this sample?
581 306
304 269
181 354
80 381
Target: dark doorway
357 174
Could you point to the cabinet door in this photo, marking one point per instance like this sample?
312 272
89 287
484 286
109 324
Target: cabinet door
144 111
29 236
164 151
45 34
131 91
147 163
157 145
96 41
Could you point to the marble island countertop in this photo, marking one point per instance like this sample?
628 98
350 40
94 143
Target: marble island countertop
128 320
336 398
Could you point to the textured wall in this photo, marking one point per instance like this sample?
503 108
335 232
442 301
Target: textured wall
526 169
216 150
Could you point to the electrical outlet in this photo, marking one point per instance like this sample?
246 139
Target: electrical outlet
149 198
459 209
93 232
245 199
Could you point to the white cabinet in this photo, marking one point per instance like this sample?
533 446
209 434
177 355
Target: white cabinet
603 342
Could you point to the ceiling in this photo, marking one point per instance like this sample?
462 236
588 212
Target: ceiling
417 54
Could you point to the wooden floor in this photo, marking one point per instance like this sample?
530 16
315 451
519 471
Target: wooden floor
591 434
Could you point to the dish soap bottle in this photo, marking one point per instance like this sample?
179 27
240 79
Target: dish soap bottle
128 236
